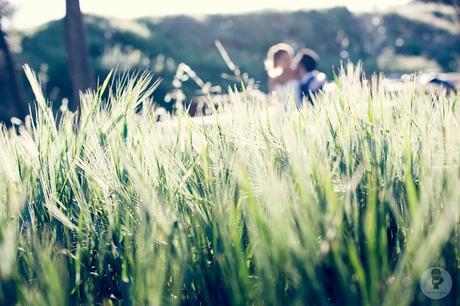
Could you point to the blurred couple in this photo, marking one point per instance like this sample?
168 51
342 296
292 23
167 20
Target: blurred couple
293 79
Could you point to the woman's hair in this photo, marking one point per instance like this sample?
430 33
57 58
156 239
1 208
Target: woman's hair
274 53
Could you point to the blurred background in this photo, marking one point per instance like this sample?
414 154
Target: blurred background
73 44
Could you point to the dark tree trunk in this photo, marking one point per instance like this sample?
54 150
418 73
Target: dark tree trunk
18 106
77 52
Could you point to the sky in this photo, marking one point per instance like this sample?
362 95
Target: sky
30 13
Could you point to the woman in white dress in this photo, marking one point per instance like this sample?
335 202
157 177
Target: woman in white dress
283 82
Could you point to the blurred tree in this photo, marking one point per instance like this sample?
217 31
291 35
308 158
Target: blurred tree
158 45
16 106
77 51
447 2
454 3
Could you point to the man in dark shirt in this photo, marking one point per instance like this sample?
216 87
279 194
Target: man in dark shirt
311 80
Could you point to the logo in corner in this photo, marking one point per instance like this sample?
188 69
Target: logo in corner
436 283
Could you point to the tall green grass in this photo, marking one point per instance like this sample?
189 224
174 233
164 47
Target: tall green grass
344 203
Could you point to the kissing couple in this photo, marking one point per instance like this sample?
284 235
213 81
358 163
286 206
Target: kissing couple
293 79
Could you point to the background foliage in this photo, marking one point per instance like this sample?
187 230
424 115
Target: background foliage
417 37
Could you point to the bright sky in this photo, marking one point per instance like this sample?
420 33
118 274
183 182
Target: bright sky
31 13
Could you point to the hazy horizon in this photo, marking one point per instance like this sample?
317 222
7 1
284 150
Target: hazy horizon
26 10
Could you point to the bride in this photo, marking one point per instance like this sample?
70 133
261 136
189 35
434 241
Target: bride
283 82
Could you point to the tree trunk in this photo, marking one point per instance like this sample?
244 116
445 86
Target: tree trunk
77 52
19 106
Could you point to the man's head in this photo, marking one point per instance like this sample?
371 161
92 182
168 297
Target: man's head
307 60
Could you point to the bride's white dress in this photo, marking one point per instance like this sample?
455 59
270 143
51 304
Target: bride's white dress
288 93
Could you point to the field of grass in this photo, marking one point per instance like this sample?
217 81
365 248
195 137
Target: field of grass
346 203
